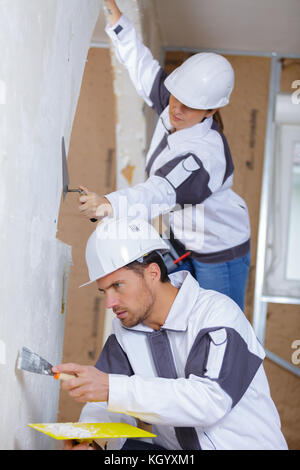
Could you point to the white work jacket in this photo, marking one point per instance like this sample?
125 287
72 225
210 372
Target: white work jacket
190 171
220 391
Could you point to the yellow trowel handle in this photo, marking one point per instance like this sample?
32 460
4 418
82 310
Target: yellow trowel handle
63 376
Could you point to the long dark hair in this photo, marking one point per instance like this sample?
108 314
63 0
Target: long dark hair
218 119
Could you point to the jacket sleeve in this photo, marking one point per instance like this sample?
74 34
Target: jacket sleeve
183 180
188 177
220 368
149 199
145 72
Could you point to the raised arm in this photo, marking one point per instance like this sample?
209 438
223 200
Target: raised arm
114 14
145 72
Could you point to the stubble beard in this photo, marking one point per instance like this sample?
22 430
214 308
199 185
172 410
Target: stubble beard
143 312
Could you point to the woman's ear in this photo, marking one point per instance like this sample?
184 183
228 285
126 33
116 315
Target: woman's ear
211 112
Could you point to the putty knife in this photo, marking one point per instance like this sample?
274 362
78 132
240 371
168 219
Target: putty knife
32 362
65 173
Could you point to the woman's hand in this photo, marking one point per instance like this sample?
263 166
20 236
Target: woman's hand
114 14
94 206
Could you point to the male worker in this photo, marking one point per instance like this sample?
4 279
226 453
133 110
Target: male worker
181 358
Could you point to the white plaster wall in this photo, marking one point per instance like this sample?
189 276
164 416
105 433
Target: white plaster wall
43 47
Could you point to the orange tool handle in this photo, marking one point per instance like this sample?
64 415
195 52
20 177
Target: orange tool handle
63 376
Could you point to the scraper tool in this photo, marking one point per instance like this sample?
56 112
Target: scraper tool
32 362
65 173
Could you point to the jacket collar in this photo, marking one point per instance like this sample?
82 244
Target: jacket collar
183 304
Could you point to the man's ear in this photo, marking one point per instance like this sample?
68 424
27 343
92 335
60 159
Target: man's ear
153 271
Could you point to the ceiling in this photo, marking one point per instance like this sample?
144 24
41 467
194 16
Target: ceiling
233 25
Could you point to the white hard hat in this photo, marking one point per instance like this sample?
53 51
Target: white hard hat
204 81
117 242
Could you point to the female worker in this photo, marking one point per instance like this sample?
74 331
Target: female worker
189 163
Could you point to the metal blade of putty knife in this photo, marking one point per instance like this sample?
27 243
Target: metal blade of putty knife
32 362
65 174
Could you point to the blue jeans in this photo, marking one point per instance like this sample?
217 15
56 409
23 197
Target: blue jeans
229 278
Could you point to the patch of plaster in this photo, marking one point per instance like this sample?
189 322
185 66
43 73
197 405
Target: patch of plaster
128 172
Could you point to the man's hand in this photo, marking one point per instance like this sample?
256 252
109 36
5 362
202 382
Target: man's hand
72 445
89 383
94 206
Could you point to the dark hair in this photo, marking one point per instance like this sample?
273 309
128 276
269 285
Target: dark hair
218 119
152 257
